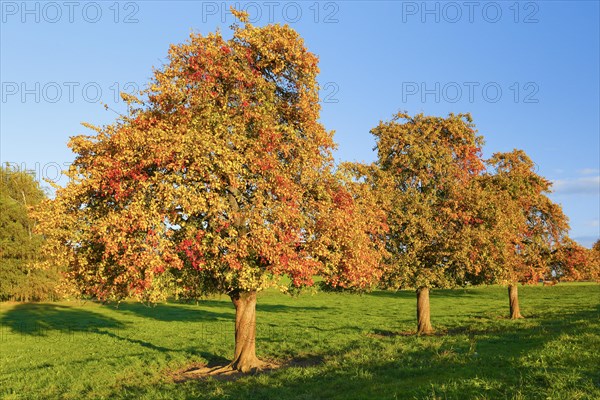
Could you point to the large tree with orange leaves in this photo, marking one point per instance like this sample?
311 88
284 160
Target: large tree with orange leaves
219 180
429 169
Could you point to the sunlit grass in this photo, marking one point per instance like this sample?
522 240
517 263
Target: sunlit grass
344 346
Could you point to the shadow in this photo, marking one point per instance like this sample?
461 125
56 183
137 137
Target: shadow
511 361
458 292
400 294
171 312
469 331
382 333
304 361
40 319
411 294
204 311
142 343
549 356
44 319
278 308
224 302
213 360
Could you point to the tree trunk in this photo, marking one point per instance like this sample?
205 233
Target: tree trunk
423 321
513 298
245 359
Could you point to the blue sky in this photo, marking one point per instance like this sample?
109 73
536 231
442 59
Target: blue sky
527 71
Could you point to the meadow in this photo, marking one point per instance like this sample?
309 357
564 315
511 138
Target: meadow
332 346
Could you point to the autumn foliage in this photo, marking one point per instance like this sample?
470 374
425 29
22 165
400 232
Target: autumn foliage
593 270
219 180
429 167
429 164
535 226
573 262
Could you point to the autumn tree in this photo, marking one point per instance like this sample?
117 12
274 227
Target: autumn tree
594 262
429 167
533 227
569 262
19 245
573 262
218 180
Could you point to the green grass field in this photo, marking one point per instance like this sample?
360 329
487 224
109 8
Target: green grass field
340 346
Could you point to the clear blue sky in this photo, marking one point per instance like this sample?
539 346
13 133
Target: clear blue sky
527 71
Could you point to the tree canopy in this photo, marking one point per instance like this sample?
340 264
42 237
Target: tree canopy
430 164
220 179
428 172
217 180
534 226
19 245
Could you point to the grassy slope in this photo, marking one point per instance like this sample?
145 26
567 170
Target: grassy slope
73 350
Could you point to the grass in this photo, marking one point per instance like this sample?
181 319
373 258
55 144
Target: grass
345 347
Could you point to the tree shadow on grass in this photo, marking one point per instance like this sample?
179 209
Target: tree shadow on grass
507 359
171 312
400 294
45 319
261 306
279 308
411 294
492 363
457 292
40 319
204 311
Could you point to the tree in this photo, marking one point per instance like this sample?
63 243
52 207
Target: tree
19 246
593 272
534 226
219 180
570 262
429 167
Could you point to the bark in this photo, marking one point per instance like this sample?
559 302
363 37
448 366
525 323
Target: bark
423 315
513 299
245 359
